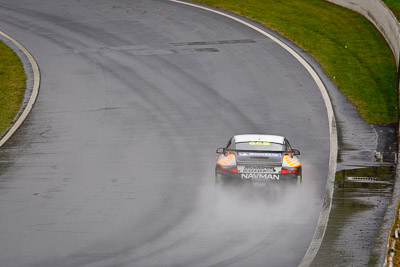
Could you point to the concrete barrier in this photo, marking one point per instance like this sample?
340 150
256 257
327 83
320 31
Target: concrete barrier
382 18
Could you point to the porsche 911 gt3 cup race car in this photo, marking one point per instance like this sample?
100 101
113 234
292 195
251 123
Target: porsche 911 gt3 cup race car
257 160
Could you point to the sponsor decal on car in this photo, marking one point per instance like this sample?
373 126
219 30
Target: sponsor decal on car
292 162
255 154
258 169
226 160
266 176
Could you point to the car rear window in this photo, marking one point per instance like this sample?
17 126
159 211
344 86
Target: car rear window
258 145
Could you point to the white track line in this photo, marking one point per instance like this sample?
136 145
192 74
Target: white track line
33 97
326 207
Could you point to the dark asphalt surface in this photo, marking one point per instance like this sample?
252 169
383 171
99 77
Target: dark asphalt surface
115 164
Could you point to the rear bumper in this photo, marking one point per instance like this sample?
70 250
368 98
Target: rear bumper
256 179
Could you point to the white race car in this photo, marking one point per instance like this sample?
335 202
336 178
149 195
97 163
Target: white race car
257 159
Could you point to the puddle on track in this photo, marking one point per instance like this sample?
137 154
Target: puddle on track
358 206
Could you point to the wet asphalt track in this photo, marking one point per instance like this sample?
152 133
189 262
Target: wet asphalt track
115 164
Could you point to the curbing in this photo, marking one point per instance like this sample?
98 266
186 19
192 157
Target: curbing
326 207
26 109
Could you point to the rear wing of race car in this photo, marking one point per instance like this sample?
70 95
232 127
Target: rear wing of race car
293 152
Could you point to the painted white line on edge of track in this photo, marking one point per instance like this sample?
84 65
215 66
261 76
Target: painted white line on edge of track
35 90
326 206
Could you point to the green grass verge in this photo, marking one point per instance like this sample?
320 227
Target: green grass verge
394 5
349 48
12 86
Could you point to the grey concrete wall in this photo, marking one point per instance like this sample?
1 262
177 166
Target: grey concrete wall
383 19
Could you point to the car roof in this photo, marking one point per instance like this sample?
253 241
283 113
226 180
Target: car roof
259 137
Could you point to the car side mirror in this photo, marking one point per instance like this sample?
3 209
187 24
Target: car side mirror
220 150
296 152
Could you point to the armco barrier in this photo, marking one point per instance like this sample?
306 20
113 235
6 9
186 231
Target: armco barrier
384 20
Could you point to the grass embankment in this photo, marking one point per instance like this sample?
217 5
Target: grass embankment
12 86
394 5
349 48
